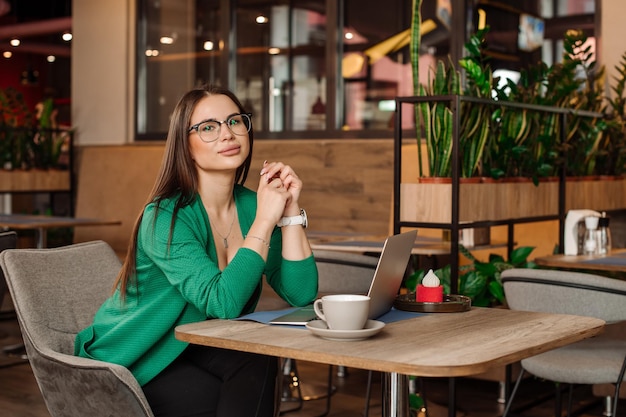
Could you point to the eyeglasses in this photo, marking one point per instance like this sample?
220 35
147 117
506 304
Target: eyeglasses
209 130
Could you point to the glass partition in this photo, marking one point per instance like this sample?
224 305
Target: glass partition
310 68
280 63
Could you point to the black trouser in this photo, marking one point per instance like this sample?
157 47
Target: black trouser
207 382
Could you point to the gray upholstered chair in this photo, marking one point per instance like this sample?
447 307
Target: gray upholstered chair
344 272
598 360
339 273
56 293
8 240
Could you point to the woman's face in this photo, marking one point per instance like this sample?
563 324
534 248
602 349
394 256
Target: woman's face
228 151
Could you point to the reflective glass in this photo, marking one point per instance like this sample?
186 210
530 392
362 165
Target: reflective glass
281 63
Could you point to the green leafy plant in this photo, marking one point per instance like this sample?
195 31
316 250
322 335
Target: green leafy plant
479 280
475 118
509 141
584 133
437 119
29 140
433 120
16 121
612 150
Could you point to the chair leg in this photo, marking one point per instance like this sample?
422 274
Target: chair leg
329 392
512 396
290 383
292 391
608 406
368 393
557 400
617 387
570 394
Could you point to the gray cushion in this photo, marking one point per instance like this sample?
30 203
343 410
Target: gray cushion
344 272
591 361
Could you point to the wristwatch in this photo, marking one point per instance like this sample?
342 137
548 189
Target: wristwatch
294 220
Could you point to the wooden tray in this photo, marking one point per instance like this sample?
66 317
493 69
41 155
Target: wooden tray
451 304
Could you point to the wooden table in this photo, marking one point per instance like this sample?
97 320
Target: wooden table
363 243
41 223
435 345
614 262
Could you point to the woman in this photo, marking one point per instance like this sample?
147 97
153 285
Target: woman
199 251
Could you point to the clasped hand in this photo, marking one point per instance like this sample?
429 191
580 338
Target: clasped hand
278 192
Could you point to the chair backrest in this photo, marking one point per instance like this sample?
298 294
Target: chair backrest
8 240
344 272
56 293
565 292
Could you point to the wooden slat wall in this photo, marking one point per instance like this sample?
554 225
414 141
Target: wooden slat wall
347 183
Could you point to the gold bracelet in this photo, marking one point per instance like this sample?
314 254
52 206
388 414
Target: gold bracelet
265 242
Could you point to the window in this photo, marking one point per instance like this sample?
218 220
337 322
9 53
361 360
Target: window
310 68
280 57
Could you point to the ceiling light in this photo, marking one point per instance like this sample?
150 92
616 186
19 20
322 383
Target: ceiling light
260 19
152 52
208 46
7 54
349 35
166 40
273 51
67 36
15 42
51 58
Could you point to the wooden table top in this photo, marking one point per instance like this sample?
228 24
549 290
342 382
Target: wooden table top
362 243
614 262
434 345
25 221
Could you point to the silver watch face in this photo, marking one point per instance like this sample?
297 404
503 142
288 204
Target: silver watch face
305 220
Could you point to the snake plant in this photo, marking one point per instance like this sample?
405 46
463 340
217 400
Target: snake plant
433 120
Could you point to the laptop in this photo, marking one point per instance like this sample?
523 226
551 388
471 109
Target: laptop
385 285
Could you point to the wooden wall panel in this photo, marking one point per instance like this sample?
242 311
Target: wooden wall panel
348 187
347 183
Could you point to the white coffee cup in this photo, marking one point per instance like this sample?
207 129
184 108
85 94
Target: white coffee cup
343 311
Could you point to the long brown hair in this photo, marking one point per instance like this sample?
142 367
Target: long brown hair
177 174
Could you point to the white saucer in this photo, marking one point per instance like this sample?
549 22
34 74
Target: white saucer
319 328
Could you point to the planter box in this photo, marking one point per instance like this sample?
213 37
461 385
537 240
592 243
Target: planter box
599 195
506 200
34 180
477 202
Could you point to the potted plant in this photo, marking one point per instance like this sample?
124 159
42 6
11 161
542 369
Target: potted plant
33 150
612 149
433 120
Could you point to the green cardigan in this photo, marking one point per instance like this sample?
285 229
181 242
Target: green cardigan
185 285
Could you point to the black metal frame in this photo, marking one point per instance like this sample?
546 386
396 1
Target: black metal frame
454 226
